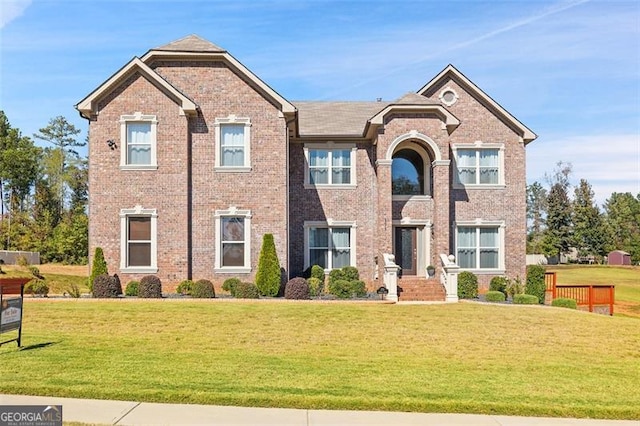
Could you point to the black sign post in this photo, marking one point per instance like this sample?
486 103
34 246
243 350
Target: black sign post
11 304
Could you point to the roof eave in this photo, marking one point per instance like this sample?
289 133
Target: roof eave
449 121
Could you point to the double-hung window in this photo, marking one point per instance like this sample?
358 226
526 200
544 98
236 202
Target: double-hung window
233 240
138 243
138 141
330 247
233 144
479 247
479 165
330 165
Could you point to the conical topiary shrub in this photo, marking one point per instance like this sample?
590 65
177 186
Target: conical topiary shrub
268 275
98 267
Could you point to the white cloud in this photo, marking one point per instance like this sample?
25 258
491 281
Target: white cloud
12 9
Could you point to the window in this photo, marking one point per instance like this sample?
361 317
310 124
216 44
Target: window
138 240
138 142
233 144
408 173
233 244
330 247
330 165
479 247
479 166
448 96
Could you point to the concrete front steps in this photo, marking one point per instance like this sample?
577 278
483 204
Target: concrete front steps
420 289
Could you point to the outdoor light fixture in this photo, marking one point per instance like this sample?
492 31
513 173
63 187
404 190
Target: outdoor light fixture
112 144
382 291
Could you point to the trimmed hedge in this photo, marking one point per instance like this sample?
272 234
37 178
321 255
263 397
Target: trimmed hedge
203 289
535 282
247 291
525 299
317 271
185 287
268 276
230 285
150 287
296 288
563 302
316 287
358 288
105 286
499 284
495 296
132 288
340 288
467 285
98 267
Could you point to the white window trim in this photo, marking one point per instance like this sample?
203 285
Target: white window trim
232 119
479 145
426 173
480 223
330 223
138 211
138 117
232 212
445 90
423 243
330 146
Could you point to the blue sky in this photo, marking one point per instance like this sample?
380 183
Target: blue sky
569 70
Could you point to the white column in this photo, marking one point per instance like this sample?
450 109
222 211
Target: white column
449 278
391 276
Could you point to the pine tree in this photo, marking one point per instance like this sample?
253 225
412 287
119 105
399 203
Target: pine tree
589 233
98 267
268 275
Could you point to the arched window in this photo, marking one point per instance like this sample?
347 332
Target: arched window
407 173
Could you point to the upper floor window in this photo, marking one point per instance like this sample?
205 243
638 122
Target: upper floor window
330 165
138 141
479 165
233 144
138 242
409 175
233 240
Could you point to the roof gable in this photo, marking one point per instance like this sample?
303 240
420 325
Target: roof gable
451 72
88 106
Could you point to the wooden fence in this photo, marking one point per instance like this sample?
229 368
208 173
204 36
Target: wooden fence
590 295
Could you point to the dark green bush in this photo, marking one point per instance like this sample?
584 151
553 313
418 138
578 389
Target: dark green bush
336 275
118 284
132 288
563 302
317 271
105 286
35 272
230 285
37 287
150 287
296 288
268 276
316 287
247 291
98 267
203 289
358 288
535 282
467 285
499 284
525 299
350 273
340 288
495 296
185 287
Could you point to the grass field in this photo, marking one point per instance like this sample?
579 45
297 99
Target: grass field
466 357
626 280
58 277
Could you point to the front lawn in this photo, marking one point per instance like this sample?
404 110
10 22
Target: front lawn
466 357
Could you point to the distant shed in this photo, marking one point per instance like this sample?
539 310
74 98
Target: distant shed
619 257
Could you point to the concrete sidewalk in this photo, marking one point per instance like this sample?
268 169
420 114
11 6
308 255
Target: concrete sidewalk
95 411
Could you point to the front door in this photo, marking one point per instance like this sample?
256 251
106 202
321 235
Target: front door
406 251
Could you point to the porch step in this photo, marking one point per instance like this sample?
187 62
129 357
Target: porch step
420 289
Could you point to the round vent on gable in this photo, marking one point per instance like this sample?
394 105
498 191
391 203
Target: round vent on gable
448 96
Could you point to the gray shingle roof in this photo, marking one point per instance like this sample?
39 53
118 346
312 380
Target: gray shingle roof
191 43
415 99
335 118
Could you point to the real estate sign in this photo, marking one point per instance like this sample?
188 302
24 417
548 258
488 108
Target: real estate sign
10 314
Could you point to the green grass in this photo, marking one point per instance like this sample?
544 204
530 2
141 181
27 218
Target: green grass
466 357
58 283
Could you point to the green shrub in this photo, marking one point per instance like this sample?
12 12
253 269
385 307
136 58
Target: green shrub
514 287
340 288
132 288
230 285
499 284
467 285
296 288
336 275
98 267
105 286
37 287
185 287
247 291
203 289
35 272
74 290
268 276
495 296
150 287
350 273
525 299
563 302
118 284
358 288
317 272
316 287
535 282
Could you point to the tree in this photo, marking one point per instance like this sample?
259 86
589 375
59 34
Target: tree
589 232
558 234
98 267
623 220
268 276
536 213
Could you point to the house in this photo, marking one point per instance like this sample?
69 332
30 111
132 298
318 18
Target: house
619 257
193 158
